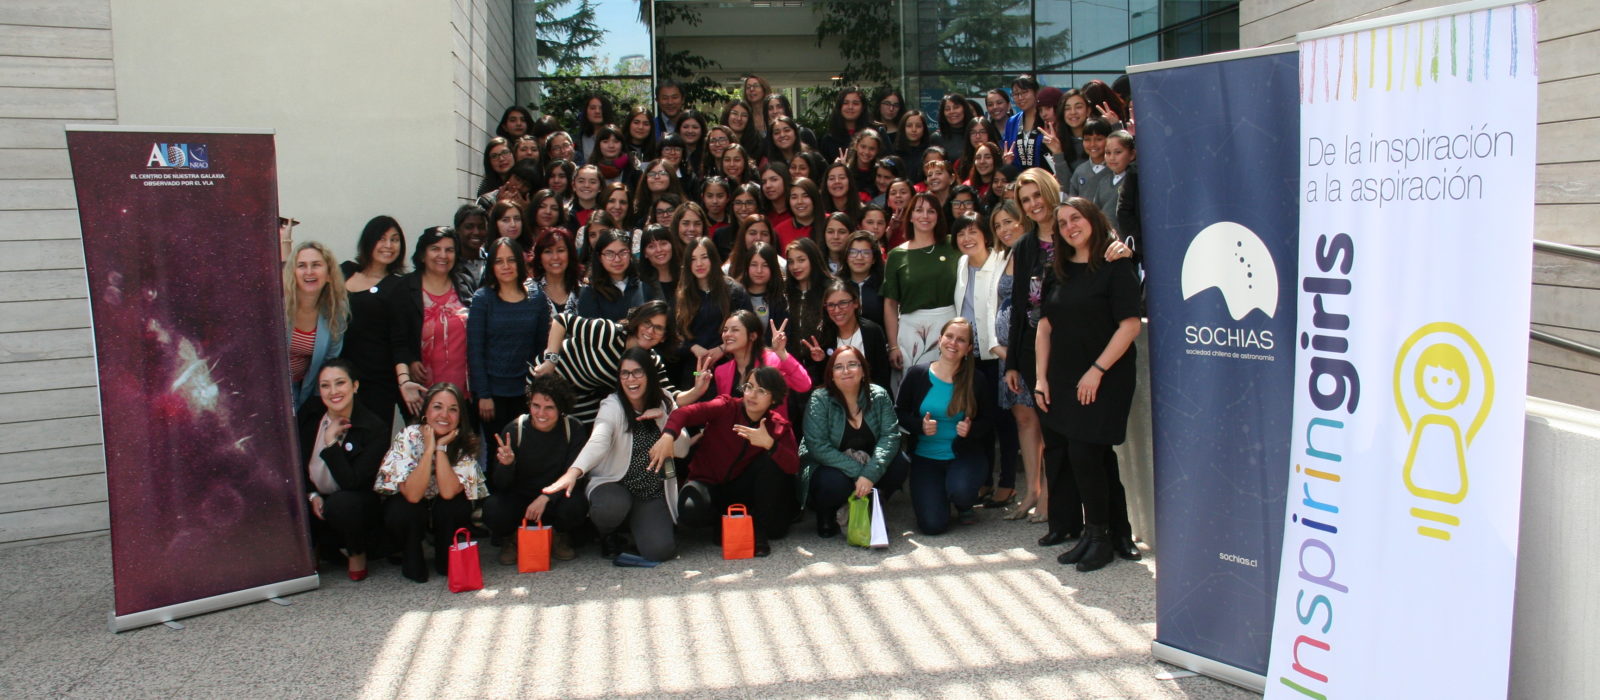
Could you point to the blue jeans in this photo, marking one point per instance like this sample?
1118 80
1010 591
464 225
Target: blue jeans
937 484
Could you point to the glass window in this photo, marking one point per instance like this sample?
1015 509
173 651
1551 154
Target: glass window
969 35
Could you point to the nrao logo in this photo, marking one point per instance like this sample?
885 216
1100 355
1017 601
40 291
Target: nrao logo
1232 259
191 156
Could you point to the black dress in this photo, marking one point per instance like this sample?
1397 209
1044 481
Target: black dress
367 345
1084 310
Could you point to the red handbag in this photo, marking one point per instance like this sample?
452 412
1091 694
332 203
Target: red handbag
465 572
533 547
738 533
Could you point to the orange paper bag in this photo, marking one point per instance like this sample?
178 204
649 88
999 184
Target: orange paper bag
533 547
738 533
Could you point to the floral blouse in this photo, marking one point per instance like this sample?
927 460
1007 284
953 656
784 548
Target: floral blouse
406 453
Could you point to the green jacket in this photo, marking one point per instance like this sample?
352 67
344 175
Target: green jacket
825 424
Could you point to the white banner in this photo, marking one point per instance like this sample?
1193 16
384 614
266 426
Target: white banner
1416 226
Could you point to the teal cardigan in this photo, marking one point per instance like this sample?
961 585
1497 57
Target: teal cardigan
825 424
326 347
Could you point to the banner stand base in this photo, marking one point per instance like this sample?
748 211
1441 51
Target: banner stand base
170 613
1210 667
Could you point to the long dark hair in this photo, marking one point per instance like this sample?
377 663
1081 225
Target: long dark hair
774 292
806 305
1099 236
963 397
688 301
489 280
599 279
836 124
548 238
371 234
430 236
527 118
654 395
941 228
758 340
739 255
651 234
466 440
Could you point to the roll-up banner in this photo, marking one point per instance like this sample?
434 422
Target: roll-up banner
180 242
1216 147
1416 227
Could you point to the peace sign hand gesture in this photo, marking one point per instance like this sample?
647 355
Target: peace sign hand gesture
1011 153
1108 114
1047 133
814 347
780 339
503 451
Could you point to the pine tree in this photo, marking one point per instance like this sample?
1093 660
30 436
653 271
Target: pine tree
563 40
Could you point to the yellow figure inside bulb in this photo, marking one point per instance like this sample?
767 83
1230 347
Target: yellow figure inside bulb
1442 377
1443 389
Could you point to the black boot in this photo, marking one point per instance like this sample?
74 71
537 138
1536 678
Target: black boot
1072 556
611 545
1100 552
827 524
1126 549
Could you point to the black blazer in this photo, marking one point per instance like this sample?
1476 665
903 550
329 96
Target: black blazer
914 388
1027 263
354 461
405 315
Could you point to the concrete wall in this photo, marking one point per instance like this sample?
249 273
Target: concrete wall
55 69
379 107
358 91
1566 293
1553 638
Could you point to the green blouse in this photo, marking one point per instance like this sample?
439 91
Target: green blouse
924 278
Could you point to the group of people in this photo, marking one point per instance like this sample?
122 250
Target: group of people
650 316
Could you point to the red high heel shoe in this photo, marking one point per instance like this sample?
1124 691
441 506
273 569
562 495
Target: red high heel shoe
358 575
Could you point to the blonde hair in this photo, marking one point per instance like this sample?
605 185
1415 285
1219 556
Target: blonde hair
1048 189
333 304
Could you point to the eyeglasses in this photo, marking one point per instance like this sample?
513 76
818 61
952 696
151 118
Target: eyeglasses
631 374
859 253
962 204
667 210
500 154
613 254
656 173
839 305
847 367
751 389
717 139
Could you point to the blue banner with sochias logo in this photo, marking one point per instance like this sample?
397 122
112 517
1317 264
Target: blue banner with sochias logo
1217 162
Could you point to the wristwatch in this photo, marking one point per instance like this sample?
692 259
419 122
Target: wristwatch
551 357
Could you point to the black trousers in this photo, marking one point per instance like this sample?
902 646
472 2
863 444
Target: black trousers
831 489
1084 486
502 512
409 522
764 489
350 519
506 409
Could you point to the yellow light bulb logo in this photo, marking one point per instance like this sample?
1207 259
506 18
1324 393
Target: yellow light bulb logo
1450 383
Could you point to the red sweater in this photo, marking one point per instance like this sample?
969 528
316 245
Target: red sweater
721 455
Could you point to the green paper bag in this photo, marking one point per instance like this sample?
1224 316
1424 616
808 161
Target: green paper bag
858 531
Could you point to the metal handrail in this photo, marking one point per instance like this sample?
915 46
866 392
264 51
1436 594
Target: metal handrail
1570 251
1577 253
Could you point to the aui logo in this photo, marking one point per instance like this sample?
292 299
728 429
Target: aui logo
178 155
1233 259
1443 389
